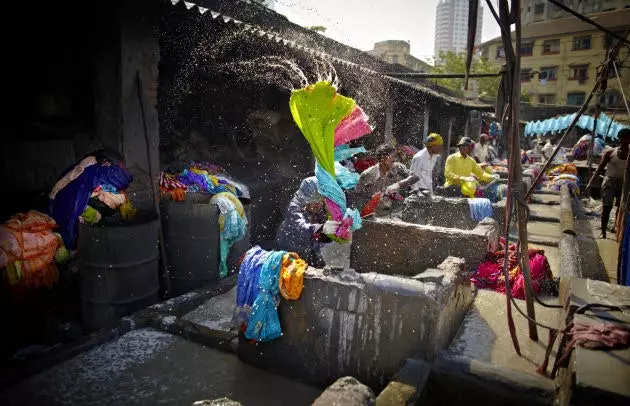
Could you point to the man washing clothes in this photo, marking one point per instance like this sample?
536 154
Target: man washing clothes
424 161
302 230
460 168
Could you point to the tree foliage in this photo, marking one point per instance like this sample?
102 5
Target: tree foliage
317 28
451 62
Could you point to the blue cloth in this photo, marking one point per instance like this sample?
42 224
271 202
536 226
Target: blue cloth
345 177
605 125
480 208
344 152
328 187
71 201
264 323
233 230
625 255
247 286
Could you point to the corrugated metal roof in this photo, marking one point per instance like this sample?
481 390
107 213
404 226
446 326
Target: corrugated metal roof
272 36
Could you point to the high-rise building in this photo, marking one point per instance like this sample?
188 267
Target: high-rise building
533 11
451 26
270 4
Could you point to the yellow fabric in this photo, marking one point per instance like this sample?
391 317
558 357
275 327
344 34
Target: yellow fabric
237 205
127 211
292 276
434 139
458 167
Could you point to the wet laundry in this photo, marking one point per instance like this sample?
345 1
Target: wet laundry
232 225
197 177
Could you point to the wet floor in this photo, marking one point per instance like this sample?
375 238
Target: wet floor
147 367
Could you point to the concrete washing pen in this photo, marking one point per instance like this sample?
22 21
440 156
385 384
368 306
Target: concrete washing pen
167 278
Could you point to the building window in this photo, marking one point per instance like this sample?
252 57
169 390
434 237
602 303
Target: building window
576 99
612 98
579 72
548 73
547 99
527 48
581 43
500 52
539 8
551 46
526 75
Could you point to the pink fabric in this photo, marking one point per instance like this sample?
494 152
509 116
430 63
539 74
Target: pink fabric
343 231
333 210
352 127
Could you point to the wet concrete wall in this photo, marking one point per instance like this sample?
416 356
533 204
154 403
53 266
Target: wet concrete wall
397 248
446 212
364 325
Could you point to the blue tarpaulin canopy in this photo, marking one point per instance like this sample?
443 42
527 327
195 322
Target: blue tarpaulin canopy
605 125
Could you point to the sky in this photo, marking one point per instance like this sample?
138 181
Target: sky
361 23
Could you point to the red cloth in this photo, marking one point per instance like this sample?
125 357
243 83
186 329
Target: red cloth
362 164
489 275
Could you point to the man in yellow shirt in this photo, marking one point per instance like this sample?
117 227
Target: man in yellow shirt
460 167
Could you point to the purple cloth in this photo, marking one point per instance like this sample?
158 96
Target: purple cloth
72 200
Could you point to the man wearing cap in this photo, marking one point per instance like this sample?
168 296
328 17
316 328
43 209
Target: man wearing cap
460 166
424 161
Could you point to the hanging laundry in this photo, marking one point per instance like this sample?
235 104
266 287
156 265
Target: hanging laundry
263 278
480 208
232 225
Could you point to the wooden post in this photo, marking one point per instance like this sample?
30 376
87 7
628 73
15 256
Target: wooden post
467 124
425 125
447 144
389 121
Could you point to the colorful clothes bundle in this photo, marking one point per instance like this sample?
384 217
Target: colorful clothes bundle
232 225
263 278
105 181
489 274
28 247
480 208
196 177
580 149
572 181
328 119
566 169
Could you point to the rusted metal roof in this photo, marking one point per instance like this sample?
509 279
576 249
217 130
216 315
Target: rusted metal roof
269 35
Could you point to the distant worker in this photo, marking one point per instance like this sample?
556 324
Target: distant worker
481 150
614 161
424 161
460 168
301 230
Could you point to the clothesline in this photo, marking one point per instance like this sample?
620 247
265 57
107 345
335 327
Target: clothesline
605 125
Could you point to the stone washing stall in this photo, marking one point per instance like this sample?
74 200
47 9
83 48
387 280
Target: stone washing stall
393 247
364 324
446 212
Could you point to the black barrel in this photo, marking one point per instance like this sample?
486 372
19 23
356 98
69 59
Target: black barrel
118 269
191 234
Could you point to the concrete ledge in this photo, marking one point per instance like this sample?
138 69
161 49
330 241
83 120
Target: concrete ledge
220 340
363 325
567 223
407 385
459 380
398 248
569 252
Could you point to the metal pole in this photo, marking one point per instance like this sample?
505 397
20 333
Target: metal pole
421 75
589 159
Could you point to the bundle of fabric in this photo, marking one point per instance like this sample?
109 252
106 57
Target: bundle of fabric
489 274
580 149
232 225
264 277
196 177
493 192
572 181
328 120
28 249
98 180
480 208
569 169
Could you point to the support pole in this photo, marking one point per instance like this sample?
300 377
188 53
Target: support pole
425 126
591 147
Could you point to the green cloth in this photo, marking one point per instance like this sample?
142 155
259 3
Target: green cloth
317 111
91 216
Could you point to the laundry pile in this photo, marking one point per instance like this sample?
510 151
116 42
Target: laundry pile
580 149
232 225
196 177
489 274
264 277
328 120
565 169
88 191
480 208
29 249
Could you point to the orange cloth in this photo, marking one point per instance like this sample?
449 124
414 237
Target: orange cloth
292 276
28 238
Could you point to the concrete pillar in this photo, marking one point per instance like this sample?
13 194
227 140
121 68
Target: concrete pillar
389 121
131 48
